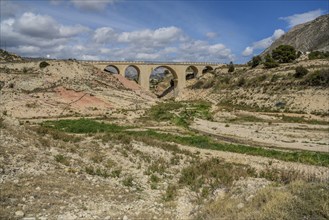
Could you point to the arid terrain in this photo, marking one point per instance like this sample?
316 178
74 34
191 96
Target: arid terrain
80 143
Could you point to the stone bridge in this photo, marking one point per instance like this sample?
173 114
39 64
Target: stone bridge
144 70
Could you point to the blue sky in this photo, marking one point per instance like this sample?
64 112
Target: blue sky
190 30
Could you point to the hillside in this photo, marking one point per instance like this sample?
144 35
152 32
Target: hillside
8 57
310 36
63 89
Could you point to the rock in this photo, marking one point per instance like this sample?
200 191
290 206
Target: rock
67 216
29 218
19 213
249 198
107 218
125 218
240 205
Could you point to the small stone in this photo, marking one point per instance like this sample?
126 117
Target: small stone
38 188
249 198
107 218
125 218
29 218
240 206
19 213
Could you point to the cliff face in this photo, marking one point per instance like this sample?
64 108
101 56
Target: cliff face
310 36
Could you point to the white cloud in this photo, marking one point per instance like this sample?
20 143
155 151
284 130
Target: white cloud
29 49
92 5
296 19
90 57
38 35
104 35
147 37
146 56
248 51
71 31
211 35
264 43
43 26
33 25
203 51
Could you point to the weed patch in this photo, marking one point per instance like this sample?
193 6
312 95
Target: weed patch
297 200
62 159
213 173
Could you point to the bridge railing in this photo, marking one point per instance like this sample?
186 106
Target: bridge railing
149 62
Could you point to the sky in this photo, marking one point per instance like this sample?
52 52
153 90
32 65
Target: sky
136 30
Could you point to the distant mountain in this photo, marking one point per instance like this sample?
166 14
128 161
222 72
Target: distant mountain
8 57
310 36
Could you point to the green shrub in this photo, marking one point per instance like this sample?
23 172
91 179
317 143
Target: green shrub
2 125
256 60
43 64
62 159
97 172
300 72
270 62
284 54
170 193
317 78
213 172
241 82
25 70
128 181
318 55
231 67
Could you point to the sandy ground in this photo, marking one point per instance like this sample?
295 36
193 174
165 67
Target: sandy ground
282 135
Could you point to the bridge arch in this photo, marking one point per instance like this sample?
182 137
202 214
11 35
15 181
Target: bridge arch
191 72
112 69
132 72
165 82
207 69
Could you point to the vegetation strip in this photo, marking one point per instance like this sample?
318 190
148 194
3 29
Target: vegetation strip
203 142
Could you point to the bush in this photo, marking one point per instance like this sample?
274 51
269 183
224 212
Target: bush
231 67
270 62
318 55
128 181
62 159
43 64
300 72
241 82
256 60
170 193
317 78
284 54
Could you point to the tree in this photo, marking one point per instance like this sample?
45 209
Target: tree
231 67
284 54
270 62
256 60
